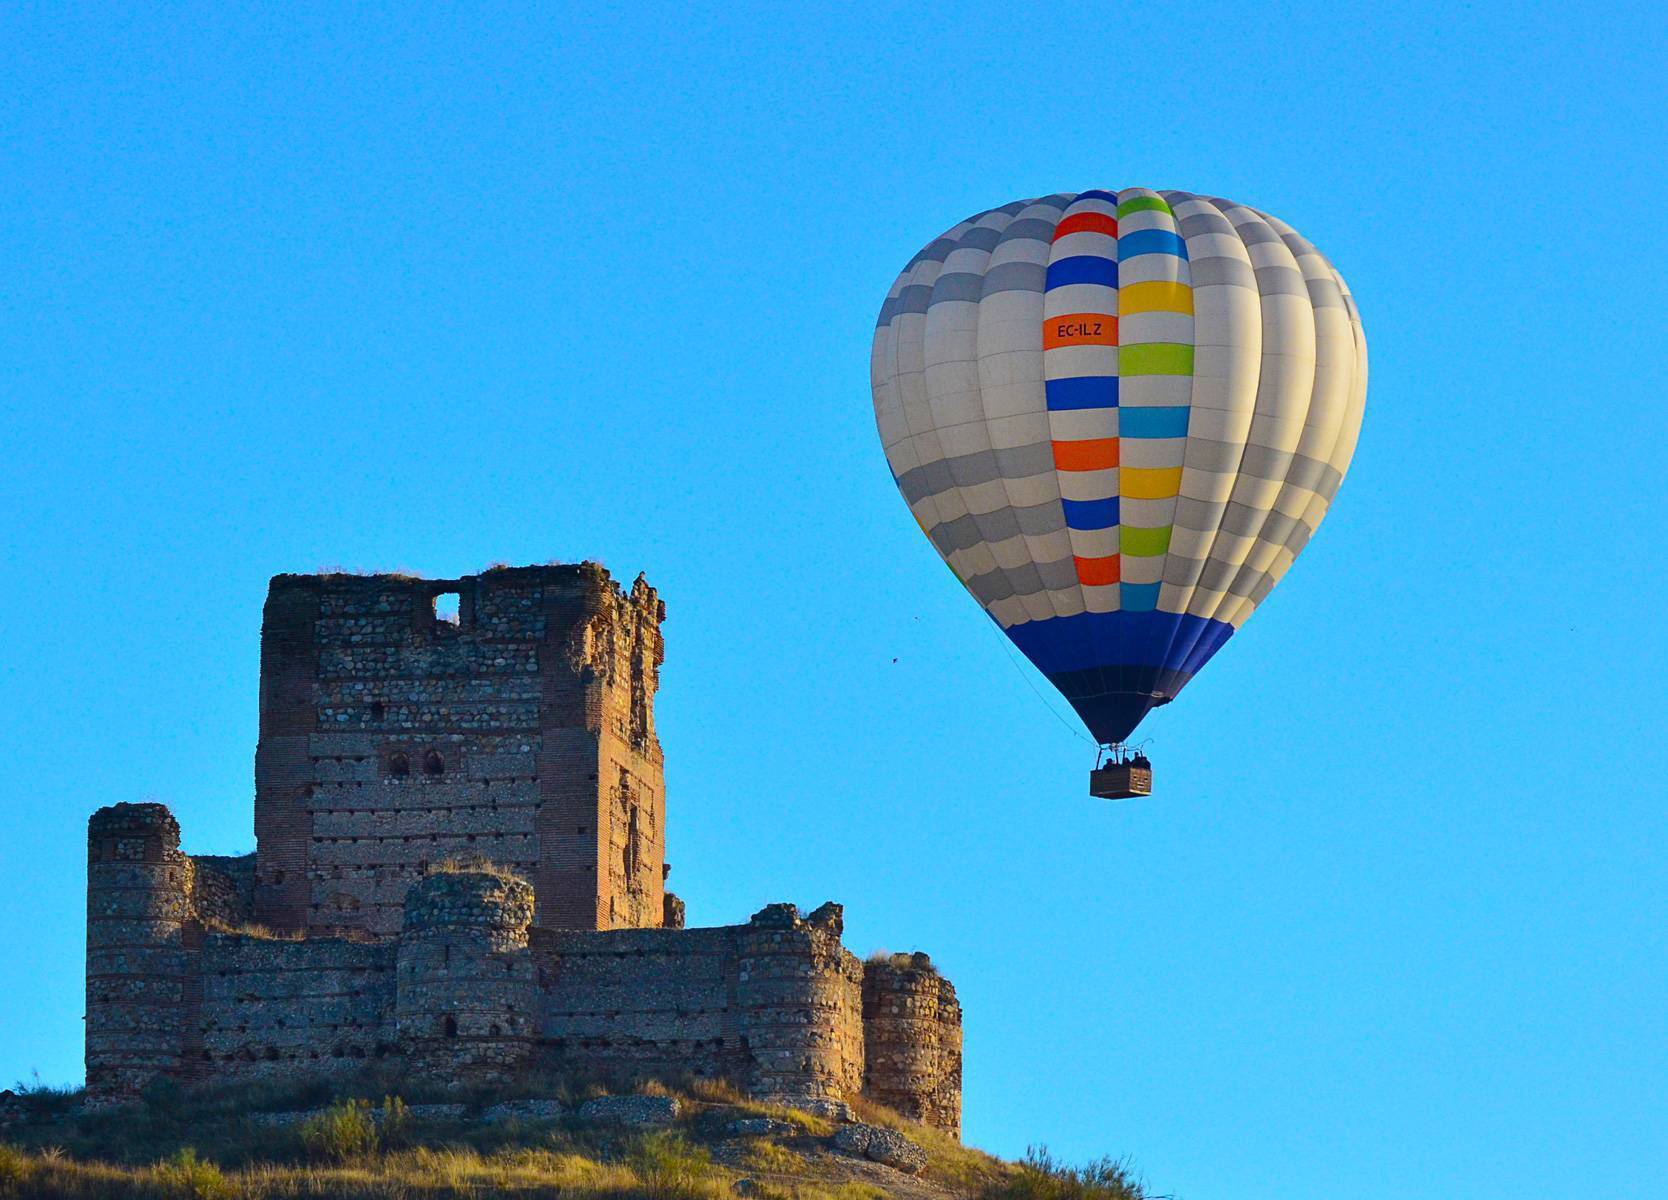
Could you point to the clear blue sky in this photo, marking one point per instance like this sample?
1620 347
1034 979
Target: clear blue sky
427 287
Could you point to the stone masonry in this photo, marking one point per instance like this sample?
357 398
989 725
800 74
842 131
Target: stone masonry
521 732
460 832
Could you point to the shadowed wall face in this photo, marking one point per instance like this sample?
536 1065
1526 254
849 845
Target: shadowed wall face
399 732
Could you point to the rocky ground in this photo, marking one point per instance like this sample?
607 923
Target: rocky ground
699 1142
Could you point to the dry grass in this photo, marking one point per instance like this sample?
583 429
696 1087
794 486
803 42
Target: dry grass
963 1168
200 1145
762 1154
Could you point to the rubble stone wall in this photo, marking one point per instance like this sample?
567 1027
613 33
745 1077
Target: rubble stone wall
774 1005
912 1049
470 989
272 1008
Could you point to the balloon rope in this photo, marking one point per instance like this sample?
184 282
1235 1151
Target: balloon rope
1007 648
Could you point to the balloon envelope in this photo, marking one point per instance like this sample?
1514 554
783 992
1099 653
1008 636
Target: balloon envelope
1119 416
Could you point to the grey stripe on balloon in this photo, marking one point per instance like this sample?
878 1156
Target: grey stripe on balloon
1031 229
1207 454
958 285
1015 277
1026 580
936 251
980 237
913 299
1324 293
1254 233
1241 520
1245 582
1260 462
1312 474
1182 572
1218 270
970 470
1195 224
1216 576
969 529
1201 516
1281 281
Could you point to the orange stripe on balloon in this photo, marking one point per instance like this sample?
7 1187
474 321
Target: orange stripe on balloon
1086 222
1080 329
1097 572
1089 454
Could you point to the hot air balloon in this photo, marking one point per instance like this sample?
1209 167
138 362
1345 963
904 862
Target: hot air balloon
1119 416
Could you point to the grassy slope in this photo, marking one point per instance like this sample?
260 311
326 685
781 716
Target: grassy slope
203 1145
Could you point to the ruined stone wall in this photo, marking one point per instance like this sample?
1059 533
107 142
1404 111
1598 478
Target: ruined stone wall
223 890
275 1008
522 733
774 1005
912 1040
470 990
640 1003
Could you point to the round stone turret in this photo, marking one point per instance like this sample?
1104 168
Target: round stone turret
912 1040
801 1004
138 911
465 995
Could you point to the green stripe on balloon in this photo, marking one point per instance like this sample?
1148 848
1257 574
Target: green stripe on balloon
1155 358
1137 204
1143 542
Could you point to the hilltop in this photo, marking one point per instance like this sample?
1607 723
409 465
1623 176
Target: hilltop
703 1140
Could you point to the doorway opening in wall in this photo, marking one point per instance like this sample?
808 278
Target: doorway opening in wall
450 1026
446 607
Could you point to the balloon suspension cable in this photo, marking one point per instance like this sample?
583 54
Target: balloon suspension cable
1007 649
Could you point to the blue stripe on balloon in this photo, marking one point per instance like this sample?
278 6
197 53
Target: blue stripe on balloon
1091 514
1083 391
1138 597
1168 422
1097 194
1082 268
1168 641
1149 241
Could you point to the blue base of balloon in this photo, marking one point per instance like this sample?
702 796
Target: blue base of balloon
1117 667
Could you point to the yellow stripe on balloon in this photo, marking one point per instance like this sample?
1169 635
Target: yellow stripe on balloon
1149 483
1160 295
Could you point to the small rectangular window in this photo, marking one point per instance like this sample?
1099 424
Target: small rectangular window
446 605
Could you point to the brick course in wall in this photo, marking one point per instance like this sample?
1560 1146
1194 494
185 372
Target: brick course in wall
400 754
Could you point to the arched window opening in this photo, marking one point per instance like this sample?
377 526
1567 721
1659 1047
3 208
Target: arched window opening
450 1026
433 764
399 765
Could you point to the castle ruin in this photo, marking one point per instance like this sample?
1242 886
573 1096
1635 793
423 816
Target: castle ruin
460 866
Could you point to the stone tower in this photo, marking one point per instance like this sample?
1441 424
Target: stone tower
140 986
398 732
912 1039
465 994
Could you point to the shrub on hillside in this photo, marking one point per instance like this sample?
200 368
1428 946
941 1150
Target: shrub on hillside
673 1168
1040 1177
341 1132
190 1178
